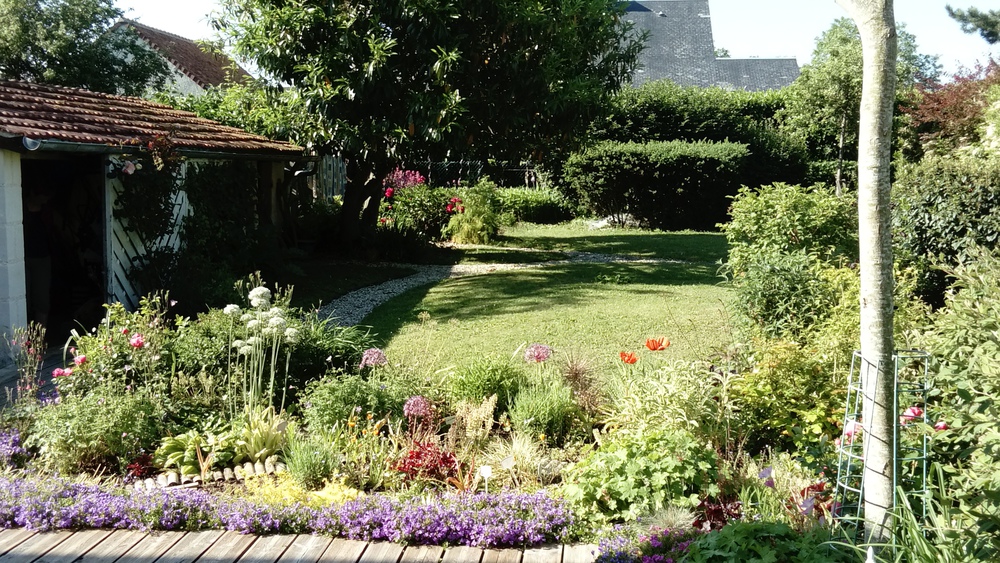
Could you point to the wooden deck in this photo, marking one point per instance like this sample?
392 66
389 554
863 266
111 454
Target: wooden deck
107 546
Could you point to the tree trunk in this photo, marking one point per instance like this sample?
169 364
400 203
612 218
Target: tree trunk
840 156
876 24
362 196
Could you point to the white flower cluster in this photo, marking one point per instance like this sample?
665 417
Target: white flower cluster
231 310
260 297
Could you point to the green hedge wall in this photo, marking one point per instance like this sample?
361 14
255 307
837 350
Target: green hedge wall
667 185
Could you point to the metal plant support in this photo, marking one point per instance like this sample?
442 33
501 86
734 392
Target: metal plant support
910 438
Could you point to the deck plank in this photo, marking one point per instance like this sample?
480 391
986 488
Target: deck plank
228 548
9 539
151 547
192 546
502 556
306 549
113 546
76 545
462 554
381 552
422 554
343 551
579 553
35 547
543 554
267 549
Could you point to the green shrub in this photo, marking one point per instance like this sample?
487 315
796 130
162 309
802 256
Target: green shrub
782 294
336 397
786 218
311 459
965 338
942 207
670 185
533 205
419 207
489 376
767 541
638 473
474 218
788 399
546 407
99 431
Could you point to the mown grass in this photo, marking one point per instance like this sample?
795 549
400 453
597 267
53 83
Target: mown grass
592 311
577 235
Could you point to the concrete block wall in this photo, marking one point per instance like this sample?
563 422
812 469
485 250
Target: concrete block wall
13 294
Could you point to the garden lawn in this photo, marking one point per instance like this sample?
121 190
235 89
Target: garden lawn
577 235
592 311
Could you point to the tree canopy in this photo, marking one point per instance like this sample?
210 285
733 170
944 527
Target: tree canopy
974 20
73 43
388 81
824 101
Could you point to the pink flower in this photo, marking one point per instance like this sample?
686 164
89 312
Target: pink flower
137 341
58 372
129 167
124 331
449 208
940 425
389 192
852 427
911 414
78 360
537 353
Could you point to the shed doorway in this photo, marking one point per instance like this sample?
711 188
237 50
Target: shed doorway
64 224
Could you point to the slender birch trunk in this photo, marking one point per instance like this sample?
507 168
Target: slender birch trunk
876 24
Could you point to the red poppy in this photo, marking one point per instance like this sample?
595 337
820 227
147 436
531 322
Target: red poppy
656 344
628 357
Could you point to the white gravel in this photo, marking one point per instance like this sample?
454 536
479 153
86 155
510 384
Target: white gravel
352 308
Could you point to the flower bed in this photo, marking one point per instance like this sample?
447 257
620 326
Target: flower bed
506 519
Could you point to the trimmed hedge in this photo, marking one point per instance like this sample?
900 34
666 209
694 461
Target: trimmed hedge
942 207
664 111
665 185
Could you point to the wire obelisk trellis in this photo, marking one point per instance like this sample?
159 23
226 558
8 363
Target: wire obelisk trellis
910 440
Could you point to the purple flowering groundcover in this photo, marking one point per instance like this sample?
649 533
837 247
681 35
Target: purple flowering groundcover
505 519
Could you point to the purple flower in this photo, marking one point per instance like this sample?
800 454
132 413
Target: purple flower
418 407
10 446
373 357
537 353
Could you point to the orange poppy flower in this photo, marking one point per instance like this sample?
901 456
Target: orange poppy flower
628 357
656 344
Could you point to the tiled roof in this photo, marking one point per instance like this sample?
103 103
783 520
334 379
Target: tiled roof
73 117
205 68
756 75
681 48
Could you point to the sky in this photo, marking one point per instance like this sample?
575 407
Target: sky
747 28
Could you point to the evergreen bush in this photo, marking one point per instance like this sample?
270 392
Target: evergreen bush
671 185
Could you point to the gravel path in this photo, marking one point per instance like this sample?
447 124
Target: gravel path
352 308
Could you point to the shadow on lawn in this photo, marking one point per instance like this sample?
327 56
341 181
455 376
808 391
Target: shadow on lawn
690 246
531 290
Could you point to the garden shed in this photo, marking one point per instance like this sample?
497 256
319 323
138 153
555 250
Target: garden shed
63 156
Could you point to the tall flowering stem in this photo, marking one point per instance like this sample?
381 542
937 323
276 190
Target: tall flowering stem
27 350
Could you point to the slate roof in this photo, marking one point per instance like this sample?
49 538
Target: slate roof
681 48
73 119
205 68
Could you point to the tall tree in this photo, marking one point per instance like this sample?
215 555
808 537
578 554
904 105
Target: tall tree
973 20
72 43
825 98
388 81
877 28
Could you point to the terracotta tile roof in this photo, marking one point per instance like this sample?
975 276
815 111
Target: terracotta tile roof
206 69
80 117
